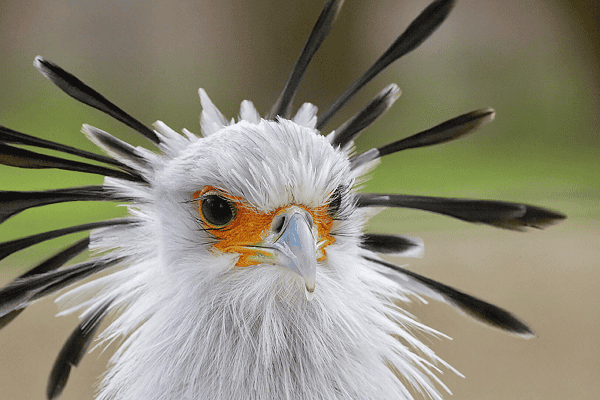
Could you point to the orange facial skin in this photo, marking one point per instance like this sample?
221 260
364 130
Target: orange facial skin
250 227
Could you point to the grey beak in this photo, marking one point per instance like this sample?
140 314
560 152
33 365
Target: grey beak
296 245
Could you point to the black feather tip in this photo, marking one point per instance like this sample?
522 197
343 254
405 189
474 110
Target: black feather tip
417 32
392 244
479 309
50 264
320 31
446 131
350 129
501 214
75 88
73 351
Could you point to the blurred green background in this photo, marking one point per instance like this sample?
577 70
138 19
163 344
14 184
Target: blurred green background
536 62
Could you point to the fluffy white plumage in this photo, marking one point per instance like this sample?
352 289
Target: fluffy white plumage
199 327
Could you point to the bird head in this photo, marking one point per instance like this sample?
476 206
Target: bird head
254 198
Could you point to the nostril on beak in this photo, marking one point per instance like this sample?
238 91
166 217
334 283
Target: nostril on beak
280 221
278 224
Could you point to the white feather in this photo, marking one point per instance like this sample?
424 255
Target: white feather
211 119
248 112
306 115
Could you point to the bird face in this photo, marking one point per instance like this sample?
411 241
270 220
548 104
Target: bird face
234 207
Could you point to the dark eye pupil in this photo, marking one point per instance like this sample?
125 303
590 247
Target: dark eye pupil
216 210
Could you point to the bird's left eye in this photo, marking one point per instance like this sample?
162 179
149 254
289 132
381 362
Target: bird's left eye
217 210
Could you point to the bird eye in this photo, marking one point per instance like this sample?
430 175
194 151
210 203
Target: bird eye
217 211
335 202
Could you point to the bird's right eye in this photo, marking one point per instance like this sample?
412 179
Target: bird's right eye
217 211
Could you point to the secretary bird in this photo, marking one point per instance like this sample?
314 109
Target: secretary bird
242 270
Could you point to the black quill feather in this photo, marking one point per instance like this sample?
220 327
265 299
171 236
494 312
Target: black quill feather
389 244
14 202
75 88
11 136
350 129
12 246
21 158
73 351
501 214
320 31
51 264
416 33
446 131
479 309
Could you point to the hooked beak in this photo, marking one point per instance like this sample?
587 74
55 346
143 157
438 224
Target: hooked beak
296 246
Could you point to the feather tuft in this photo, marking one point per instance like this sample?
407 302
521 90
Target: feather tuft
50 264
249 113
21 292
211 119
306 115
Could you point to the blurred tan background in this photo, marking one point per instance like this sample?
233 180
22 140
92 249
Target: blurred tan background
536 62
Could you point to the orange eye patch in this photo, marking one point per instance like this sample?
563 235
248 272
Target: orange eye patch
242 229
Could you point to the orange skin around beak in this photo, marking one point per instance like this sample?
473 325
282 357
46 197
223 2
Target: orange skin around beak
251 233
